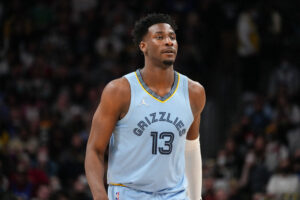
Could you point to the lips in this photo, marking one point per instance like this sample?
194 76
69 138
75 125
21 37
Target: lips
172 51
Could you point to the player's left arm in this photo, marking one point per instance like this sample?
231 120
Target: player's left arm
193 161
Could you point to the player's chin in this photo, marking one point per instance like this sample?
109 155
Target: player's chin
168 62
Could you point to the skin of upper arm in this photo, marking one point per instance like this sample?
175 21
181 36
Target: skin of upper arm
114 103
197 101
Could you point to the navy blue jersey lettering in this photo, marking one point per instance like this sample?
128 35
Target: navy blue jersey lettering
162 114
137 131
142 124
179 125
153 115
147 120
175 121
168 118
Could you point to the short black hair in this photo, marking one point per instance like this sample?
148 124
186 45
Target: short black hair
142 25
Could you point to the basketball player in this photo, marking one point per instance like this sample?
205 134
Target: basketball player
150 118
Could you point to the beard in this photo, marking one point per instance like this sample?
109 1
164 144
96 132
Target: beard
168 62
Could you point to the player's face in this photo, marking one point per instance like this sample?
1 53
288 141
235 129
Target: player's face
160 44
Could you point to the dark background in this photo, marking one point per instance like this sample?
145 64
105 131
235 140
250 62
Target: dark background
56 57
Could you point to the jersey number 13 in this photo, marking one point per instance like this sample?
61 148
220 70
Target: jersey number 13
167 148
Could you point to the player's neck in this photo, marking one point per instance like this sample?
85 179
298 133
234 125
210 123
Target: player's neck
158 77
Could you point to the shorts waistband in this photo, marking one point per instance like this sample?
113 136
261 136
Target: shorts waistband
117 184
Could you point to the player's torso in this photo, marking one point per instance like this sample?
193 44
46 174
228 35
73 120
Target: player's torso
147 146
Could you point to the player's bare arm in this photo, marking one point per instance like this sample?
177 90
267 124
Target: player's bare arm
114 105
197 101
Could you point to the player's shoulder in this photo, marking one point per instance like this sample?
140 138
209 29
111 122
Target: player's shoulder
195 88
197 95
117 88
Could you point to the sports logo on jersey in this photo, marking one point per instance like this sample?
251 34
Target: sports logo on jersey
117 195
143 102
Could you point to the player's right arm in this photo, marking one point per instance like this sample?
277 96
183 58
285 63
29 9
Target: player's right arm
114 105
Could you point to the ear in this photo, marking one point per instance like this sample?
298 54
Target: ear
143 46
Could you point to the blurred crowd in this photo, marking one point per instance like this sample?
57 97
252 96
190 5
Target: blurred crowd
56 57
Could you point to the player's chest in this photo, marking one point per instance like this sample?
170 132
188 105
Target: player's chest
151 115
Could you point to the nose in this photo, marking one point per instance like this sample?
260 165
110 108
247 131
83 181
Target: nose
169 42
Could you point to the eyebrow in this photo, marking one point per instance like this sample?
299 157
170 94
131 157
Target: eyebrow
161 32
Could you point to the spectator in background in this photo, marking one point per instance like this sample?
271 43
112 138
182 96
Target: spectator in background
260 115
80 189
248 47
208 188
275 151
221 195
296 162
287 122
270 29
43 192
229 161
285 77
255 175
20 183
284 181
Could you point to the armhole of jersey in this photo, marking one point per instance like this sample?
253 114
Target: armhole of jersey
187 96
127 115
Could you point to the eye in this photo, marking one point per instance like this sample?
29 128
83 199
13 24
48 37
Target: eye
159 37
173 37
